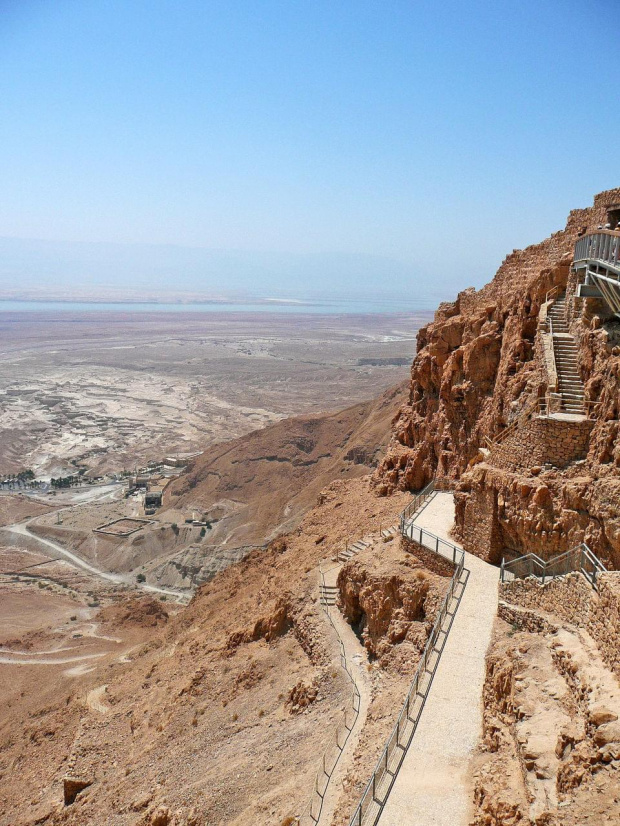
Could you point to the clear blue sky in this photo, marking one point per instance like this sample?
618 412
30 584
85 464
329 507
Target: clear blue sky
330 142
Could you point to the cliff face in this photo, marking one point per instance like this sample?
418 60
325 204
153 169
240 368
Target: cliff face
478 366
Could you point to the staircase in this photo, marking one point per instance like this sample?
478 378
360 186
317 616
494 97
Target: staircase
327 595
351 550
570 385
577 560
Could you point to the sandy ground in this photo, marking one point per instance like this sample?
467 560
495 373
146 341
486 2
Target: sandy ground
202 703
22 612
109 392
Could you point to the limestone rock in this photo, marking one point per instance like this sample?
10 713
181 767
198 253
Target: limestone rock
72 786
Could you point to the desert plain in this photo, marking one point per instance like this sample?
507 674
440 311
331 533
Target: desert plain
112 390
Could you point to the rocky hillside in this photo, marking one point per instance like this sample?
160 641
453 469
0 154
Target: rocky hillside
213 716
550 751
478 366
263 483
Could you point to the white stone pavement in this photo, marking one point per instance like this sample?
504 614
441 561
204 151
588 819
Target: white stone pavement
432 787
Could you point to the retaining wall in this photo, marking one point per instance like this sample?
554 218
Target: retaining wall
574 600
543 440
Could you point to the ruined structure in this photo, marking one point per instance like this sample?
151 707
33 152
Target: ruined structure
514 396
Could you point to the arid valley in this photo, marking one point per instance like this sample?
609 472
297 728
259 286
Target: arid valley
309 413
278 581
145 402
110 391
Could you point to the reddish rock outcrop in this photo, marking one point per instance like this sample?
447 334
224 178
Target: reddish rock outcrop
479 366
391 603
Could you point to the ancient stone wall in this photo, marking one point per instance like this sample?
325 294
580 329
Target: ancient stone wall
542 440
476 362
477 519
604 622
543 511
574 600
569 597
431 561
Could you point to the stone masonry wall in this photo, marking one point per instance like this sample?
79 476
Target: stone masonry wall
569 598
430 560
573 600
476 363
479 533
541 441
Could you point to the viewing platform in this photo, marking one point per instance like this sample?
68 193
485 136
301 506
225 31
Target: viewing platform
597 257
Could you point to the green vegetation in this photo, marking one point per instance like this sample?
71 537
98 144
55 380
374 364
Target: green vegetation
23 479
65 481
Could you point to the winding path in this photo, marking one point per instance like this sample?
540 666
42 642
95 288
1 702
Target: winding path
358 663
48 660
22 529
433 787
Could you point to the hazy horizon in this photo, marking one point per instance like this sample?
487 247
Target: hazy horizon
32 268
294 150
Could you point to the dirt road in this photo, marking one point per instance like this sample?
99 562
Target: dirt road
22 529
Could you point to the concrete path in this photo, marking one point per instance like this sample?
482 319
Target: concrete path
433 787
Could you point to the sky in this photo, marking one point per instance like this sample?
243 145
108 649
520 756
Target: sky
297 147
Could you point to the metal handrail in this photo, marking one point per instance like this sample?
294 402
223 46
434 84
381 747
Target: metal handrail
523 416
378 788
312 814
603 245
415 503
579 558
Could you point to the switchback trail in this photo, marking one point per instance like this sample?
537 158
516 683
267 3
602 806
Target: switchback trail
358 663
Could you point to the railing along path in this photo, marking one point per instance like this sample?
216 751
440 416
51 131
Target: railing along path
376 793
580 559
603 245
333 752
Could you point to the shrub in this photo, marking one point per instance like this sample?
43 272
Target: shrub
141 578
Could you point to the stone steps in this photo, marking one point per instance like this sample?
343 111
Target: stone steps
565 353
352 550
328 594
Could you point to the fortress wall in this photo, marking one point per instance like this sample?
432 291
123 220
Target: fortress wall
575 601
541 441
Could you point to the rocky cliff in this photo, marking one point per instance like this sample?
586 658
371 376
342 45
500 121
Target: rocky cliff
479 365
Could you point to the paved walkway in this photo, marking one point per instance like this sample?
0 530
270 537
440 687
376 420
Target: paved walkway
433 787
